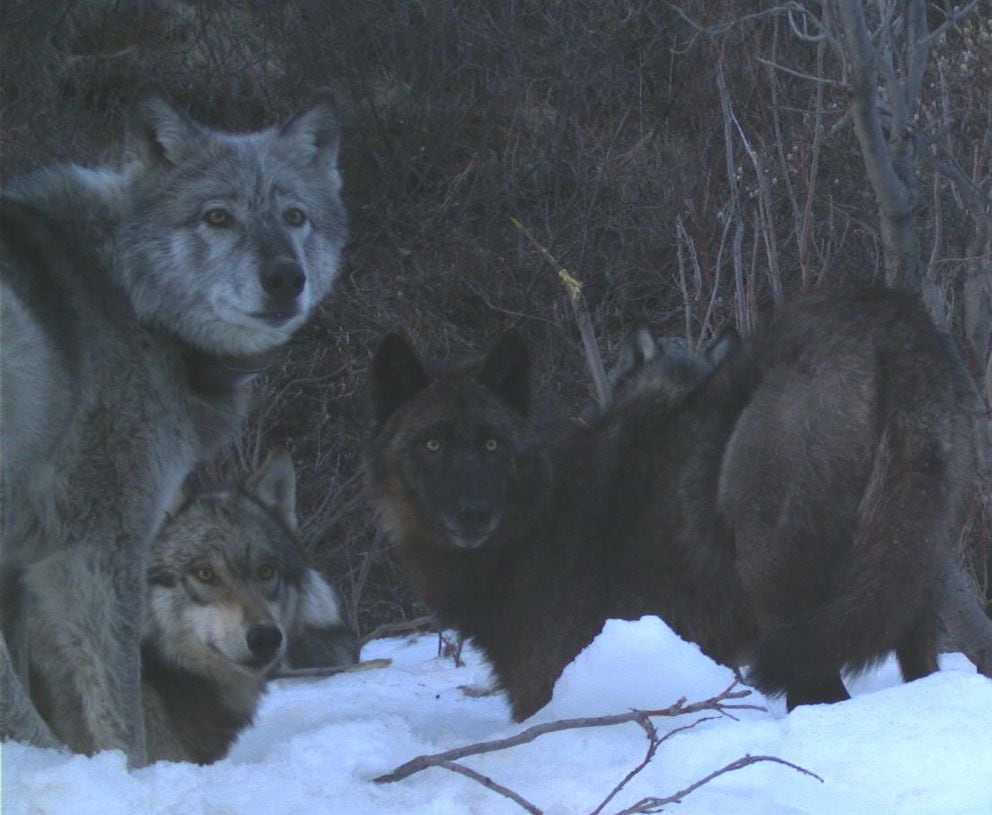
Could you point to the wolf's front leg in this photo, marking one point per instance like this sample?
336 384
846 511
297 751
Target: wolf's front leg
84 629
19 720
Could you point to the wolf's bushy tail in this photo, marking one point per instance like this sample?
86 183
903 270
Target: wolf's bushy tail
887 588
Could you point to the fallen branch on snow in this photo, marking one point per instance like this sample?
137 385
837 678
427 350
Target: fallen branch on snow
722 703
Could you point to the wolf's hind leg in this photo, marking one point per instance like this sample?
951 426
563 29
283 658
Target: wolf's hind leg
815 690
917 651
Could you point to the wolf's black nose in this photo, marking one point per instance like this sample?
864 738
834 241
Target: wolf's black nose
264 640
283 280
475 515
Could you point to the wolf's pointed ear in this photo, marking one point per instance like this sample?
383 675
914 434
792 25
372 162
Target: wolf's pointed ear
726 342
314 133
639 347
506 371
274 484
179 502
396 376
160 134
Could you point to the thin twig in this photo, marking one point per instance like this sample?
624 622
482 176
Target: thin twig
316 673
389 629
654 742
489 784
720 28
821 80
594 359
648 805
956 17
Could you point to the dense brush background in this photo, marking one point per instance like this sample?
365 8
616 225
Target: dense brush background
680 175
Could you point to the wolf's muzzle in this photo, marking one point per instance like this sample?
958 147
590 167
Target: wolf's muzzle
472 524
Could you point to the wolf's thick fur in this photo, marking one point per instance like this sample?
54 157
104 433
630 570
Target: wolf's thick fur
527 548
867 349
792 507
664 368
134 304
844 484
230 598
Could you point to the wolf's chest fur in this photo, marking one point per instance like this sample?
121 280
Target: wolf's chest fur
120 411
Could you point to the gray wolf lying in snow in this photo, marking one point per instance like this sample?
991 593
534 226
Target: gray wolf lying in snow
231 602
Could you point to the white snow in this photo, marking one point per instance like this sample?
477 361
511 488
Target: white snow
923 747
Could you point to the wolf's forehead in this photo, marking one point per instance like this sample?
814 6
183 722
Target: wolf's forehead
243 176
456 409
210 527
231 551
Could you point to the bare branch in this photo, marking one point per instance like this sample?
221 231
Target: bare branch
803 33
402 627
861 84
489 784
820 80
889 166
648 805
789 8
764 221
956 17
917 45
594 360
734 213
974 200
318 673
717 703
683 285
654 742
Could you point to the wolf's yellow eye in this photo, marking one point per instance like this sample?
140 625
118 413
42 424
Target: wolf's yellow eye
294 216
433 445
266 572
205 574
217 217
492 445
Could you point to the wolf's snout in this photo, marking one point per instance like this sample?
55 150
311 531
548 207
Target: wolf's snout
476 516
283 280
264 640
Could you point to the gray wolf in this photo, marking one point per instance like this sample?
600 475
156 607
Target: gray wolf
790 505
664 366
136 303
231 602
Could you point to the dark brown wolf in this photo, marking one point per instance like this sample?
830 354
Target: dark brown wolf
792 506
529 547
843 481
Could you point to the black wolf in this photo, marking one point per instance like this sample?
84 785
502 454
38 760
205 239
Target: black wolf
528 548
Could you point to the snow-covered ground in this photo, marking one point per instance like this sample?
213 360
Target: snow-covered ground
925 747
